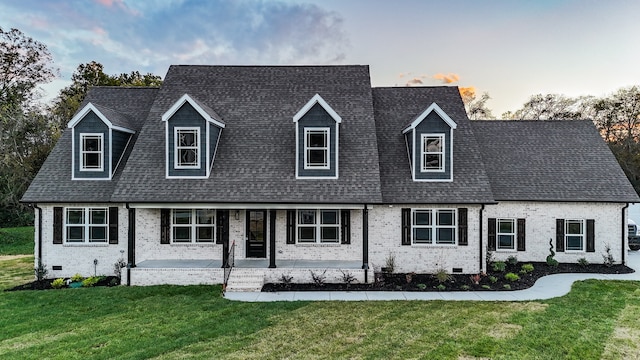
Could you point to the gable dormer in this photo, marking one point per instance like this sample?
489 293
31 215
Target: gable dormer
99 138
192 134
317 134
429 140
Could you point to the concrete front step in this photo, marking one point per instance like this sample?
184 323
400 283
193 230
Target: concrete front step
244 280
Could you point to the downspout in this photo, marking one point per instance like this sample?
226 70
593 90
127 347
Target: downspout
624 226
482 263
131 236
365 243
35 206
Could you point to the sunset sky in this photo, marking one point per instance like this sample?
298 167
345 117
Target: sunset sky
510 49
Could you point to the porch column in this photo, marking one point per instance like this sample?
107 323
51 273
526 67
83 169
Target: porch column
365 239
272 239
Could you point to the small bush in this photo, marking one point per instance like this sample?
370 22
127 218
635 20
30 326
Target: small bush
41 271
511 277
464 287
475 278
527 268
442 276
441 287
486 287
421 286
77 277
583 262
512 260
489 258
390 263
551 261
608 257
493 279
506 286
347 277
90 281
286 279
58 283
319 279
499 266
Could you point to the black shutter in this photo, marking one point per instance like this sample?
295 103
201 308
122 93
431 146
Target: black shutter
291 226
462 227
222 226
491 234
165 226
591 238
406 226
521 234
113 225
57 225
345 224
559 235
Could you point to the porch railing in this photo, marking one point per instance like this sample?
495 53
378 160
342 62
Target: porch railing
228 265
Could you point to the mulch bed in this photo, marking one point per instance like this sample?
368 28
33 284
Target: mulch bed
492 281
46 284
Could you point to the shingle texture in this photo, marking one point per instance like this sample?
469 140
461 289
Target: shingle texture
397 107
551 161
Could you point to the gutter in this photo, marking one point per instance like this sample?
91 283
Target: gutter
482 262
624 226
35 206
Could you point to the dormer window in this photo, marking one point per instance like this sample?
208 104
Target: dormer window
432 152
187 148
91 152
316 148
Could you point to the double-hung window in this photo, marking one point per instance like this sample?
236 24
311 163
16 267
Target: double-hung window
434 226
506 234
316 148
193 225
574 235
86 225
318 226
432 152
91 152
187 148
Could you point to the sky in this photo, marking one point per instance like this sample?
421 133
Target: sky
510 49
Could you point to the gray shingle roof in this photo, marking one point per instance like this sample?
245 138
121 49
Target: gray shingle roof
551 161
255 161
394 109
116 118
53 182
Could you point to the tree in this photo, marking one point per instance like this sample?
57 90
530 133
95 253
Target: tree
550 107
476 108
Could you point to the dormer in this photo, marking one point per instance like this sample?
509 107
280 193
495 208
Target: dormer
429 139
99 138
317 134
192 132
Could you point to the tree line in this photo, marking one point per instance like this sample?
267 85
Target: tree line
30 129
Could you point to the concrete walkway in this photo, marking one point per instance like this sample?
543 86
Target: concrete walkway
545 288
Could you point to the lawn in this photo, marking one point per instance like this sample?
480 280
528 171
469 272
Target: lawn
16 241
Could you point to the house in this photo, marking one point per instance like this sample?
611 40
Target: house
284 171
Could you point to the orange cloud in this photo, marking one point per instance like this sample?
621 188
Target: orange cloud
469 91
448 78
415 81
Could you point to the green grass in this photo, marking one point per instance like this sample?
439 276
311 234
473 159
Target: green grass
16 241
597 319
15 272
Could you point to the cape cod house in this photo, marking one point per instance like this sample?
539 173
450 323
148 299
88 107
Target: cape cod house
284 170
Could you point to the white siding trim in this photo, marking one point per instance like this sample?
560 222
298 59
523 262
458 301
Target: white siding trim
423 115
319 100
186 98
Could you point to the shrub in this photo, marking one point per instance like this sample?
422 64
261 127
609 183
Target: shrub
486 287
77 277
90 281
499 266
489 258
347 277
527 268
507 286
464 287
390 263
441 287
511 277
421 286
41 271
550 260
58 283
608 257
583 262
286 279
442 276
319 279
493 279
118 266
512 260
475 278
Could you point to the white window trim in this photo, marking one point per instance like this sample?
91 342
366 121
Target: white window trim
318 227
514 234
176 148
83 151
583 234
194 227
424 152
86 211
434 227
327 148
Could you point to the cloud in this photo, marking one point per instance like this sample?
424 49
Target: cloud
448 78
415 81
468 92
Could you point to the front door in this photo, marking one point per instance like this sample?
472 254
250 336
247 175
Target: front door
256 233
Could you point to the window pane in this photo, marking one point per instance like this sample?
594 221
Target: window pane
422 217
187 138
318 157
188 156
306 234
505 242
91 160
505 226
329 217
574 227
205 234
433 144
204 216
182 216
445 217
181 234
97 234
91 143
75 216
574 242
445 236
98 216
329 234
432 161
422 236
75 234
317 139
307 217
